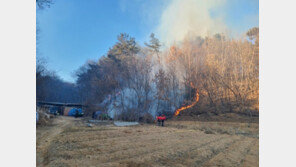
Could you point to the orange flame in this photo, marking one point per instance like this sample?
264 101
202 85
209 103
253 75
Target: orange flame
189 106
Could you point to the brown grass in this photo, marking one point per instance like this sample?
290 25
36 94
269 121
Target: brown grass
179 143
230 128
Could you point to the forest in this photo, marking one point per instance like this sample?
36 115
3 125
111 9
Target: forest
147 83
216 74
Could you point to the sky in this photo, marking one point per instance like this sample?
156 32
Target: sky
75 31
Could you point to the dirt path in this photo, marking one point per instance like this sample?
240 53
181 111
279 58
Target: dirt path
45 136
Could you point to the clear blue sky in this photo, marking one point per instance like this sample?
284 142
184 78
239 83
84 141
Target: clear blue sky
74 31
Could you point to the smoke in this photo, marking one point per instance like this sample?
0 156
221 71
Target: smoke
190 18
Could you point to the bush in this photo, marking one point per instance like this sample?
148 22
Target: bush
130 115
146 118
167 113
44 117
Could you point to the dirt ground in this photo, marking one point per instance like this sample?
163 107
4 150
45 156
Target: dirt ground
70 142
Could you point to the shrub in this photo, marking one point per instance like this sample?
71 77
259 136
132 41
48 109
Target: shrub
147 118
44 117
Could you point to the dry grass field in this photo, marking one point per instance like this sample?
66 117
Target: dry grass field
70 142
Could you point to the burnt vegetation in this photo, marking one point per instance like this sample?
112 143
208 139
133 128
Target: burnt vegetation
133 81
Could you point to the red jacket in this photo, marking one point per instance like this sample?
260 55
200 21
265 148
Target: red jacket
160 118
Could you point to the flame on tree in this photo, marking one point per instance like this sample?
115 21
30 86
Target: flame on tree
191 105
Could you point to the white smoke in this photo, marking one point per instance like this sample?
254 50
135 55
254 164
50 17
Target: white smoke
189 18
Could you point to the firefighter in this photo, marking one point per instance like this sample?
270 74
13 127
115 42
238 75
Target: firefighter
158 120
161 119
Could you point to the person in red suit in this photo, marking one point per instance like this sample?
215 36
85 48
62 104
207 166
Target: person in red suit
161 119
